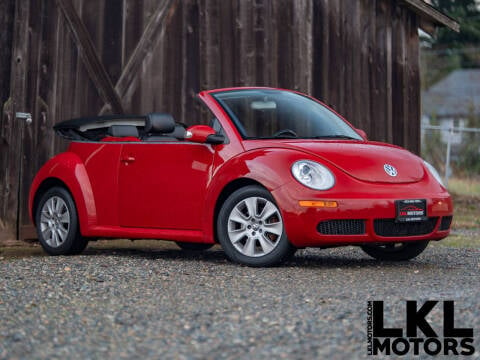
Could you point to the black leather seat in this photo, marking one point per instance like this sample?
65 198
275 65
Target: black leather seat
159 127
123 131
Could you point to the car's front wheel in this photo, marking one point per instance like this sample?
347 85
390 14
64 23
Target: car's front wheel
57 223
396 251
250 228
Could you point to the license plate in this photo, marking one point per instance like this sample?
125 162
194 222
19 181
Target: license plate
411 210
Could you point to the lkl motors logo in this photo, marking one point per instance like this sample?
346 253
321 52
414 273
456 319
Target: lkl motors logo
448 340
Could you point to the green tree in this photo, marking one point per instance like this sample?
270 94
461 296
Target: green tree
449 50
467 14
466 42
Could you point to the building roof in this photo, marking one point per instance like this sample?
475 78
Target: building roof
458 94
429 16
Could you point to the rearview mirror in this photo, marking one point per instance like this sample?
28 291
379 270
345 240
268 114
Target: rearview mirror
362 133
263 105
203 134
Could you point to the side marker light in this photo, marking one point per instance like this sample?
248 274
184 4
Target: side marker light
320 204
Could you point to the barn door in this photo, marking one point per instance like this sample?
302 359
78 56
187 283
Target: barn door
14 129
60 68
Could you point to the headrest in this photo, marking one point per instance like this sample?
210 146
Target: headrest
178 133
159 123
123 130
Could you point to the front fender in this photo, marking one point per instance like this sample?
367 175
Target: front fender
68 168
269 167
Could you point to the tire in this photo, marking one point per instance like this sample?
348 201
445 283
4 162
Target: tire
396 251
248 234
57 223
188 246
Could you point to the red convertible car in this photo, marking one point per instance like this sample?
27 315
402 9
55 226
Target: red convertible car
266 172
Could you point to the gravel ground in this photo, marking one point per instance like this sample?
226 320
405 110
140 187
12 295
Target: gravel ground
109 304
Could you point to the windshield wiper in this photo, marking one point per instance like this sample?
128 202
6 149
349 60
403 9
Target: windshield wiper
337 136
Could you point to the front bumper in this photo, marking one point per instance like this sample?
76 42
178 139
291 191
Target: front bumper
365 214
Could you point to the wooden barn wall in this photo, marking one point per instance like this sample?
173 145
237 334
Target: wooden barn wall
361 57
7 9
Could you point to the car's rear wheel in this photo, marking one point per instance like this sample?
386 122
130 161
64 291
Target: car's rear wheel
396 251
57 223
193 246
250 228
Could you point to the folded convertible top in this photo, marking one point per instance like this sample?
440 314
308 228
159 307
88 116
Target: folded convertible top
94 128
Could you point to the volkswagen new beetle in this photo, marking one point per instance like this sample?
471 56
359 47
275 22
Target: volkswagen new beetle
268 171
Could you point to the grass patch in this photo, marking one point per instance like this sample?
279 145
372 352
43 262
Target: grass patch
466 212
464 186
466 217
460 240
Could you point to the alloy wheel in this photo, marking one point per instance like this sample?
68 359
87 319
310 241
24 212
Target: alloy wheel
255 226
55 221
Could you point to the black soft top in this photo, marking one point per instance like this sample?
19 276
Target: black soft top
94 128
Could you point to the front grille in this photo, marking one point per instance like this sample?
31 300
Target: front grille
446 222
390 228
341 227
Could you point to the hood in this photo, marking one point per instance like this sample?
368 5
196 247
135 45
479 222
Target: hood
366 161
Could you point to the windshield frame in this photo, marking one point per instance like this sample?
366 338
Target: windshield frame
242 131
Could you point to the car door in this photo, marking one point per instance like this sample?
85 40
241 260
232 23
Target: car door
162 185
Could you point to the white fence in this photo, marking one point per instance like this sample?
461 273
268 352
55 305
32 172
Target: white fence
446 146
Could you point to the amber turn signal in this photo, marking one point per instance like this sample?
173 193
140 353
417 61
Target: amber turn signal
321 203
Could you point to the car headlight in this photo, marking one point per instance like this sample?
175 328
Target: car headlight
313 175
434 172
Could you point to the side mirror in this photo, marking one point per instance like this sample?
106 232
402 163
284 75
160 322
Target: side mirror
362 133
203 134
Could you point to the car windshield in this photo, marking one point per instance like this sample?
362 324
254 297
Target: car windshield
268 114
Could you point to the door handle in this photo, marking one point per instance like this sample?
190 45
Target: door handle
128 159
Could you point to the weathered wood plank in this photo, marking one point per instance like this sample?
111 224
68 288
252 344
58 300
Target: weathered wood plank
88 101
28 147
334 51
54 53
399 83
245 42
349 40
271 44
358 94
88 52
285 69
111 54
381 121
152 34
413 79
15 132
320 44
7 11
302 50
132 30
259 33
13 129
7 15
191 61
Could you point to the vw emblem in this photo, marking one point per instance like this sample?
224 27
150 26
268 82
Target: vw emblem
390 170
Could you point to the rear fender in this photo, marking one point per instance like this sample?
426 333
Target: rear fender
68 168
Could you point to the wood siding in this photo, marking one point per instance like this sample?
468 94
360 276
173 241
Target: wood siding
72 58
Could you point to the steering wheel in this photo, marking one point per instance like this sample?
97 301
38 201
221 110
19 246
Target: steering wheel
285 132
